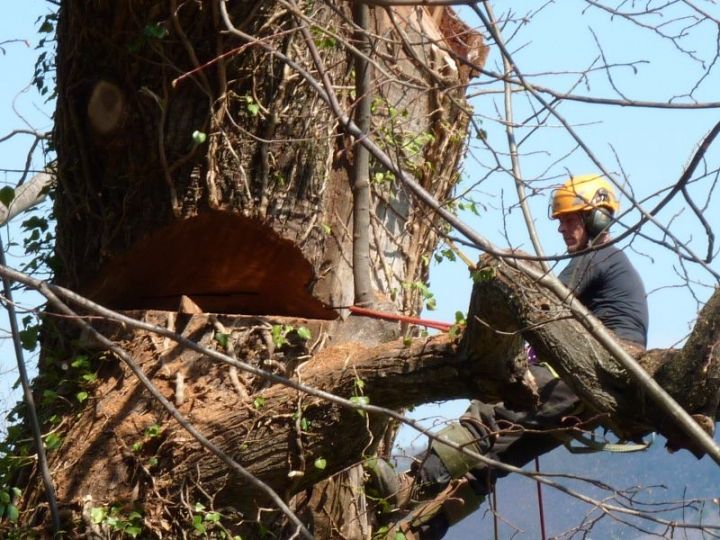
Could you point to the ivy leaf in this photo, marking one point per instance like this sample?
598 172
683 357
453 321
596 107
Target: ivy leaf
155 31
133 531
46 27
12 513
97 514
253 108
29 337
80 362
7 194
222 339
360 400
81 396
153 431
53 441
199 137
320 463
303 333
213 517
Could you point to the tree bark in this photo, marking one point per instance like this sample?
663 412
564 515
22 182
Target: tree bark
197 169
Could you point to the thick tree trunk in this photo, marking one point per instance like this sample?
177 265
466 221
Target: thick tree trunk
221 161
198 168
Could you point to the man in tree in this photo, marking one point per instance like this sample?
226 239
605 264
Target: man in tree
452 484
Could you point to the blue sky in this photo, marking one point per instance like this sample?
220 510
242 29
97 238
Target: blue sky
20 108
652 146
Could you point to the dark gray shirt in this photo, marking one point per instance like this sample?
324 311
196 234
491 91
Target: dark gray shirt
609 286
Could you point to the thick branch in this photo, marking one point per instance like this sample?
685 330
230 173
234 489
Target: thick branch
690 375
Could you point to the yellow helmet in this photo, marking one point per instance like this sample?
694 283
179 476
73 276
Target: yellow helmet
584 193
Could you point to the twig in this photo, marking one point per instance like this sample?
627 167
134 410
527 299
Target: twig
29 400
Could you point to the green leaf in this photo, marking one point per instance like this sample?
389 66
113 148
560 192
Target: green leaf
155 31
259 402
80 362
98 514
35 222
89 377
222 339
303 333
137 446
320 463
253 108
213 517
12 513
360 400
153 461
198 524
7 194
399 536
198 137
278 333
4 497
53 441
133 531
153 431
81 396
483 274
16 491
48 396
46 27
29 337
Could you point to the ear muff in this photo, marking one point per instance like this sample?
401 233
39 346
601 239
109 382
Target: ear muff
597 221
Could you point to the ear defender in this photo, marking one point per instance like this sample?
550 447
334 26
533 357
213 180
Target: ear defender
599 218
597 221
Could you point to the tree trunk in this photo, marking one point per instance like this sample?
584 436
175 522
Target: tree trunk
198 169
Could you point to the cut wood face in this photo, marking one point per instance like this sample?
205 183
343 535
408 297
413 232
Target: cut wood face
224 262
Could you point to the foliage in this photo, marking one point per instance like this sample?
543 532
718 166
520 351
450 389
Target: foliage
116 519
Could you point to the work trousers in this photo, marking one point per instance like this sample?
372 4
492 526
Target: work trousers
513 437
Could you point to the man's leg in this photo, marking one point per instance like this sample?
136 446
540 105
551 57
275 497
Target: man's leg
454 484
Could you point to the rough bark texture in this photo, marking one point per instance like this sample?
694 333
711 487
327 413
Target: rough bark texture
198 168
690 375
214 125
